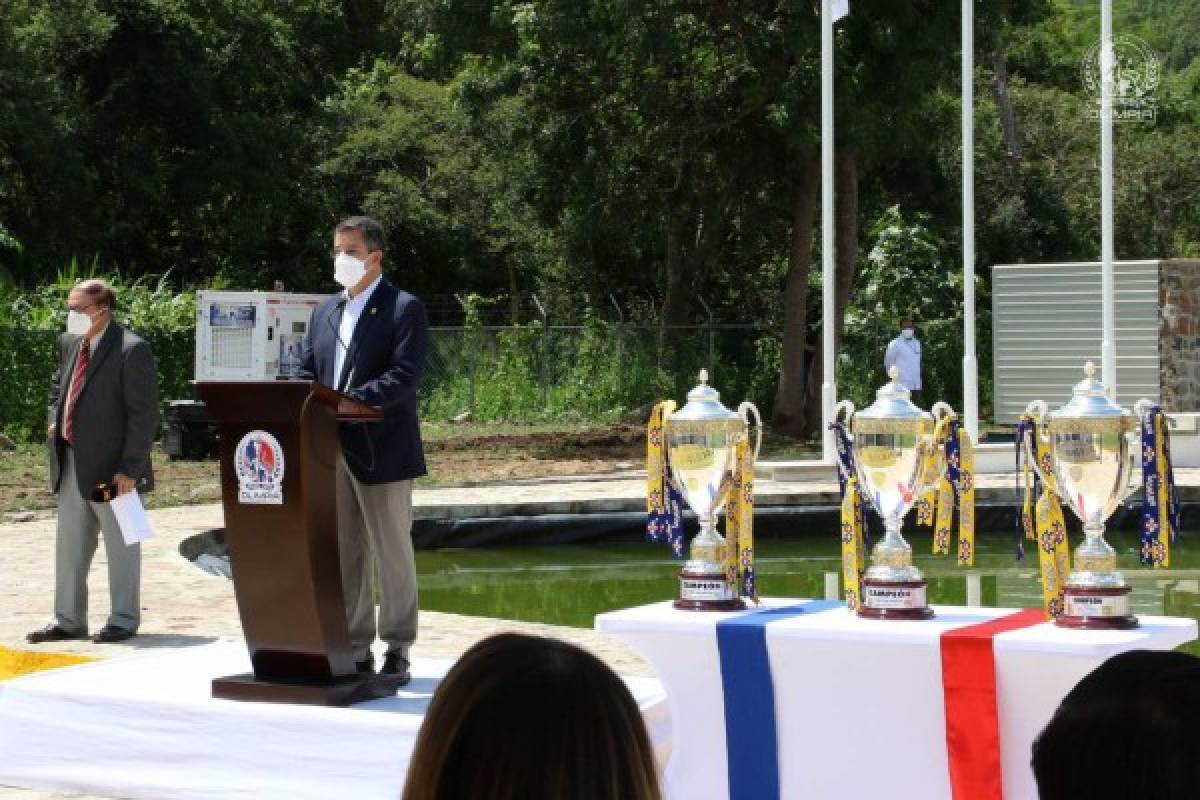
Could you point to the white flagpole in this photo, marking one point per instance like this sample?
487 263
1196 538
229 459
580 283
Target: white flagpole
1108 346
970 363
829 278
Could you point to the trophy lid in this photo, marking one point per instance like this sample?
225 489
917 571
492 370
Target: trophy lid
892 402
704 403
1089 398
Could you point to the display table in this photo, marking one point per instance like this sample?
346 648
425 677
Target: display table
859 708
145 726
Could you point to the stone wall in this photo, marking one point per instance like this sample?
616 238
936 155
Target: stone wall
1179 336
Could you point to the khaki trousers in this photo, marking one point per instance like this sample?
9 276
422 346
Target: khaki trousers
79 524
375 528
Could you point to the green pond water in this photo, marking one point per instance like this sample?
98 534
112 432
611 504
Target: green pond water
570 584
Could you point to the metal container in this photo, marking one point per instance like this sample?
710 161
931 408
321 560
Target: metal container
1090 467
892 443
700 442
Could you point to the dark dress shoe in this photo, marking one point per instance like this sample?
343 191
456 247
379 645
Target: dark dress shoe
396 668
53 633
366 666
111 633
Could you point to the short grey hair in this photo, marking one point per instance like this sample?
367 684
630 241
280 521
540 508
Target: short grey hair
371 230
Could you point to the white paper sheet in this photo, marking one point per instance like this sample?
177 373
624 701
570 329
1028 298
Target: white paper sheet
131 516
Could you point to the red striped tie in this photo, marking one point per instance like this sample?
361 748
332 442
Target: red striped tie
81 365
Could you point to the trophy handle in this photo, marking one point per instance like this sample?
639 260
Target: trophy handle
1140 411
745 411
931 462
942 409
1037 410
674 481
845 407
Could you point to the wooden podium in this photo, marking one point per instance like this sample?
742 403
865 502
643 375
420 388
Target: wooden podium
279 448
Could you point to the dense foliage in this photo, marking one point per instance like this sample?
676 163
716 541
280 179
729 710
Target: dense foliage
660 152
162 315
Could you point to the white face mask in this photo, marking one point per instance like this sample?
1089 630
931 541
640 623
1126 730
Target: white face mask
907 333
348 270
78 322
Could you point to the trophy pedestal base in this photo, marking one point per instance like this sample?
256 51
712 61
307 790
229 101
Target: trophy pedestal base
736 604
1096 609
894 600
707 591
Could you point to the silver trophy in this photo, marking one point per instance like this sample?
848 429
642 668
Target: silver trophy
1090 468
896 459
701 438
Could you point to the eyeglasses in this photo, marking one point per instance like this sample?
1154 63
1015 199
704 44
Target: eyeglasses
350 251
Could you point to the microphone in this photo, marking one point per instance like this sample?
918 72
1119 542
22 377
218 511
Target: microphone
342 387
340 305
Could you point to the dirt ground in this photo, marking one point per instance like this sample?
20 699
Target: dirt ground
457 456
490 458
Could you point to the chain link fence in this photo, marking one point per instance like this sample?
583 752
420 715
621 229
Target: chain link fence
595 371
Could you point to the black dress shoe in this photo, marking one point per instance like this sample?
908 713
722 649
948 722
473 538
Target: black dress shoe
53 633
396 668
366 666
111 633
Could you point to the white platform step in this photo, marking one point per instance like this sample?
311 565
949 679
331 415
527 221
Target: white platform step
147 727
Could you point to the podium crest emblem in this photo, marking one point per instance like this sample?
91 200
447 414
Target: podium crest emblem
258 462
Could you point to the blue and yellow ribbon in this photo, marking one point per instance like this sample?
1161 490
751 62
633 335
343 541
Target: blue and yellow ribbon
853 519
1160 508
956 488
1042 521
664 506
739 523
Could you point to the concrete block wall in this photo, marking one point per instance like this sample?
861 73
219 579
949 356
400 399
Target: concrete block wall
1179 336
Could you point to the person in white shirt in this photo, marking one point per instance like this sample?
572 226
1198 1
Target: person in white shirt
904 353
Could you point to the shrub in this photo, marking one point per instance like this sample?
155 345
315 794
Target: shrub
31 321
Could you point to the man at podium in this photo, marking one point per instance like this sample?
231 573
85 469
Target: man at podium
370 341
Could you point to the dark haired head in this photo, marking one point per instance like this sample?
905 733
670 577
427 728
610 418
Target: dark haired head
1128 729
371 230
531 718
98 291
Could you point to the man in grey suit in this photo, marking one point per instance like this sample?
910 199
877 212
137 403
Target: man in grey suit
101 418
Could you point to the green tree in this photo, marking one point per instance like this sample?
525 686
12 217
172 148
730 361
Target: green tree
446 183
175 134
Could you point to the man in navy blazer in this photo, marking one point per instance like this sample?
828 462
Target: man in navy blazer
370 341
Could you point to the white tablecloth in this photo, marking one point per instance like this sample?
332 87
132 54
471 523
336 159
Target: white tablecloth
859 704
147 727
